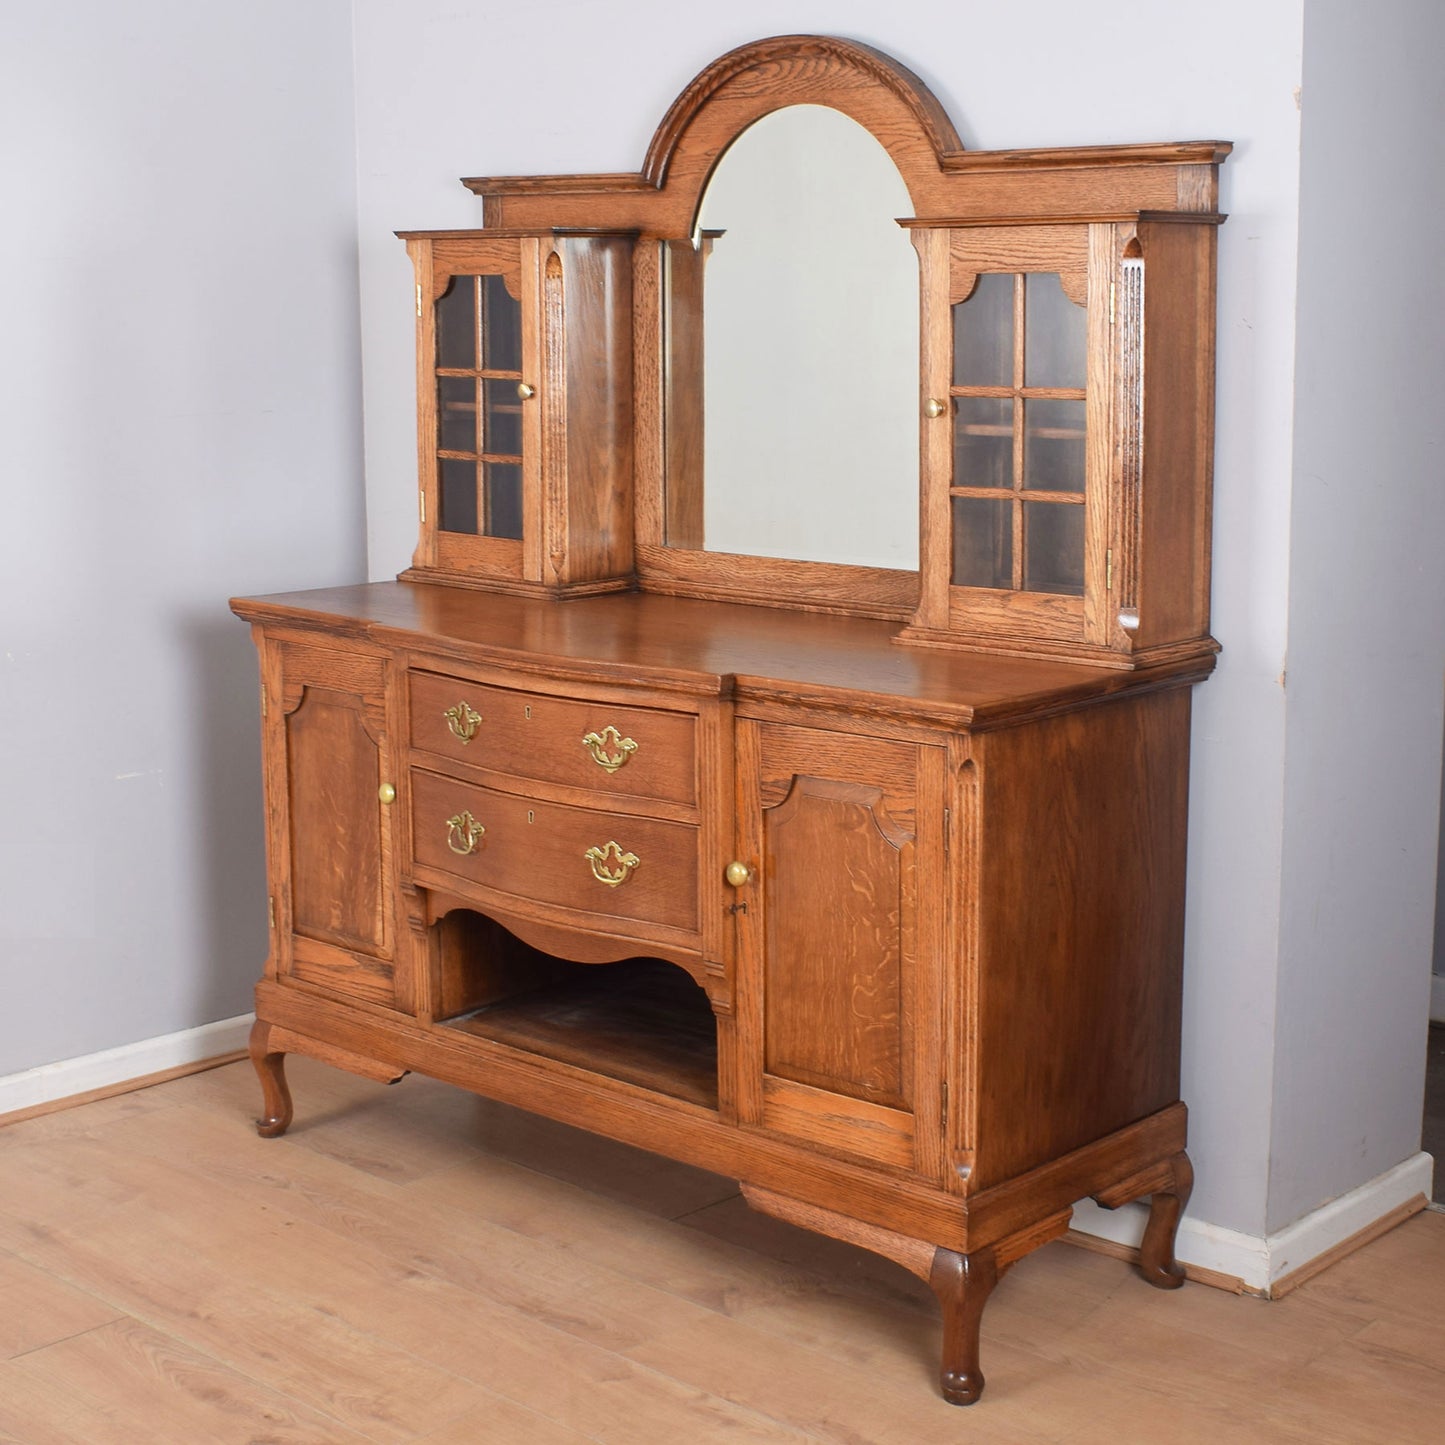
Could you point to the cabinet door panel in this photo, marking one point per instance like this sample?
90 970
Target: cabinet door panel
830 938
333 770
329 824
837 870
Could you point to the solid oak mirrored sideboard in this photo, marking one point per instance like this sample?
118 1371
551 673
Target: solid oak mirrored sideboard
854 877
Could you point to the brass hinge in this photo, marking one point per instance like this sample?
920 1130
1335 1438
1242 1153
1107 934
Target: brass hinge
263 702
418 300
421 503
943 1109
1109 570
271 910
947 829
1113 293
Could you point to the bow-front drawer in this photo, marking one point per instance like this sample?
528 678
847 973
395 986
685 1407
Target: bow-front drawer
610 863
601 746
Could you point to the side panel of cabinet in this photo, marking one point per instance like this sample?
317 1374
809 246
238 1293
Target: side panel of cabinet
332 866
840 944
1081 929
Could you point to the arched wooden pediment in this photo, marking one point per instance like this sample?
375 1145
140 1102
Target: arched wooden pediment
754 80
944 180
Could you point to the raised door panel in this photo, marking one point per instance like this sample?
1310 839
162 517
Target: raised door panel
832 940
337 831
838 875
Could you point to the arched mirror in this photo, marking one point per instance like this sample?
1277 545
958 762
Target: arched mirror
792 352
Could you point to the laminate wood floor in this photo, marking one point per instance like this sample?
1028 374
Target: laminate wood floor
416 1264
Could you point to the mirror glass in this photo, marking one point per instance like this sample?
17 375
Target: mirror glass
792 352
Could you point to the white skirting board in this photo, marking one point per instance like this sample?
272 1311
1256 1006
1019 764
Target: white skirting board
60 1080
1260 1262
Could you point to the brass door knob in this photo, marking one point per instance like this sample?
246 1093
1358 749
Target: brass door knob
526 392
737 874
386 793
933 407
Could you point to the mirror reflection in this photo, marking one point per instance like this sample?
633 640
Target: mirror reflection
792 352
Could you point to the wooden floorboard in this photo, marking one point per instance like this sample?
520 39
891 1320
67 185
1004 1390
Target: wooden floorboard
414 1264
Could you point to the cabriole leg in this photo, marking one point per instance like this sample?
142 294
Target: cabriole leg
1166 1204
963 1283
271 1070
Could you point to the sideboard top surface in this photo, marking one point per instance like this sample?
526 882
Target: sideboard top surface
711 648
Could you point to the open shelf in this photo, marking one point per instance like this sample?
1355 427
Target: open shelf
641 1020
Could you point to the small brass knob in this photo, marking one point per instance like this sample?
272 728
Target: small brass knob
386 793
526 392
737 874
933 407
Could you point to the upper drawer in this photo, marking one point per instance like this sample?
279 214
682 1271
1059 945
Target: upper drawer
597 745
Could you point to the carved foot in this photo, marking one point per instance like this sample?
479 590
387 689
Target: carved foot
1168 1185
1166 1204
963 1283
271 1070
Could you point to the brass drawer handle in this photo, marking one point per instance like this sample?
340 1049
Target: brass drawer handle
463 721
609 748
464 833
610 865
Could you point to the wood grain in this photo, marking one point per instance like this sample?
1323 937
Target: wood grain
1094 927
534 735
700 647
533 850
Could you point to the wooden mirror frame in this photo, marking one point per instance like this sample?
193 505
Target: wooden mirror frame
948 186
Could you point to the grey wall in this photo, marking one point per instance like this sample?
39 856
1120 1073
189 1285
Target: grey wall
491 88
179 421
1367 605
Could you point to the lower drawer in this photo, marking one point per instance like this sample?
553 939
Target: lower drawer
608 863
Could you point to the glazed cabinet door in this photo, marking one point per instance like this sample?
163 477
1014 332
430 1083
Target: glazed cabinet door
330 808
840 929
524 409
1017 438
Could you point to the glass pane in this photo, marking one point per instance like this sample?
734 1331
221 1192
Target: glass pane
504 498
1054 445
1054 552
982 542
501 327
502 424
459 496
983 334
457 324
456 414
983 441
1055 339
